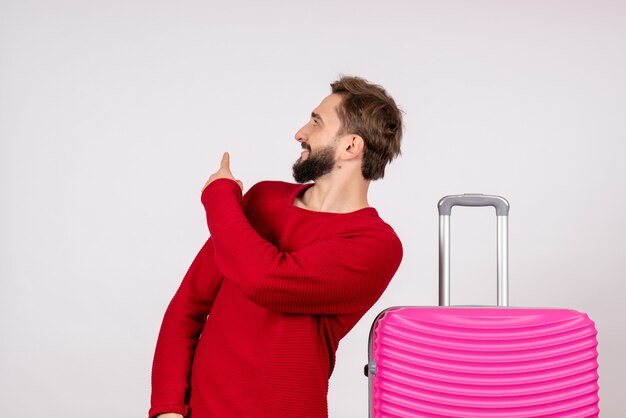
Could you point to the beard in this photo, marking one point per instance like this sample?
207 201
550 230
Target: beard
316 165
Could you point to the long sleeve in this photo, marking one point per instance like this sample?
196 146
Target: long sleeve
182 324
342 274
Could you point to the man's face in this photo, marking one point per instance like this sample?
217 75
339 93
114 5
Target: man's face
318 139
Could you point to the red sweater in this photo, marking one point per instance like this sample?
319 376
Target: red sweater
253 329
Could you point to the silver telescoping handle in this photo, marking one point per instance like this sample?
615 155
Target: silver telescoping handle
502 213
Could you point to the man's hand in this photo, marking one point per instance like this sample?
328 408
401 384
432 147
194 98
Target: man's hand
223 172
170 415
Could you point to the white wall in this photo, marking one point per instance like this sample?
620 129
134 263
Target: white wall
113 114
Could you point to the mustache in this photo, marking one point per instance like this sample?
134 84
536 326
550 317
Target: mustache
306 146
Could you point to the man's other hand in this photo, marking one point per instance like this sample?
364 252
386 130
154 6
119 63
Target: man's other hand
170 415
223 172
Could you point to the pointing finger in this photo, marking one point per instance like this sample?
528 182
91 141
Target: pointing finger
225 161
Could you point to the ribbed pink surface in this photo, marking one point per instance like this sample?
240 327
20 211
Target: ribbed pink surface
484 362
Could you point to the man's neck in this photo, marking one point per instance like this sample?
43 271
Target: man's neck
330 194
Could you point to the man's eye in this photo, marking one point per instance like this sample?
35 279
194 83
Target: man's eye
315 123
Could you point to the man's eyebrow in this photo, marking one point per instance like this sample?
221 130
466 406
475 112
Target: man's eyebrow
317 116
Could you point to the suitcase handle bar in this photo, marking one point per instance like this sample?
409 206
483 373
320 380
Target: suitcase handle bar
501 204
445 206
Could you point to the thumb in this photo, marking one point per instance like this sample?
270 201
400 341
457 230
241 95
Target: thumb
225 163
240 183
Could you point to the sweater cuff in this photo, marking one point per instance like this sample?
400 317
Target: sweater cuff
217 188
164 409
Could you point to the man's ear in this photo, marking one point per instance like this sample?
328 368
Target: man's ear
354 146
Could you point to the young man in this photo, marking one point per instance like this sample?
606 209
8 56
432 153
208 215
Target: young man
288 270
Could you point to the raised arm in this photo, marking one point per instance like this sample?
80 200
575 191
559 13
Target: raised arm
343 274
182 324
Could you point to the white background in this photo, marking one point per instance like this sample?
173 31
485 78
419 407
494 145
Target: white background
113 114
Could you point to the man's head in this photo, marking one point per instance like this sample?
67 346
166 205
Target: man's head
359 114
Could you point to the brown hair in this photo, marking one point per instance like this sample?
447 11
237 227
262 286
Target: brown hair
369 111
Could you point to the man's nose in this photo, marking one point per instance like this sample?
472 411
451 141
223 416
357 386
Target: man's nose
301 135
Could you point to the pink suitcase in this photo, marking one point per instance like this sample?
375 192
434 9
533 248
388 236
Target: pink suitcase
494 362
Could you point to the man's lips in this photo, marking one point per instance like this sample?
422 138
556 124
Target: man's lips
306 151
